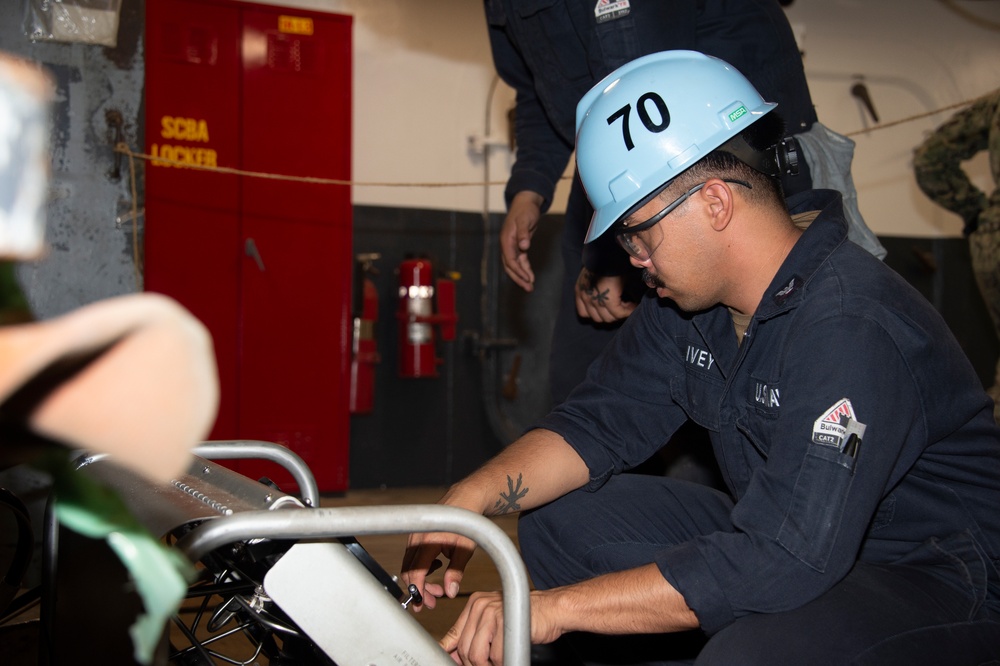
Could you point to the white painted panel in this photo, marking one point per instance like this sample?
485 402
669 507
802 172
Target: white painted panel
423 74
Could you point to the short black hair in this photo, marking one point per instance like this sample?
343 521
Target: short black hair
762 137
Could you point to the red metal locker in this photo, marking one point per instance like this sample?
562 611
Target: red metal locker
266 264
192 101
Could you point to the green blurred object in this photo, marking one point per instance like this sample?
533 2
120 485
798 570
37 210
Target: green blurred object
14 308
161 575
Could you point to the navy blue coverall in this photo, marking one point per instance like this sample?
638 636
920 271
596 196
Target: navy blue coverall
826 549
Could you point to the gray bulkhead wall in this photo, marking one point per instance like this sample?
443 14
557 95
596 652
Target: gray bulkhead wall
89 233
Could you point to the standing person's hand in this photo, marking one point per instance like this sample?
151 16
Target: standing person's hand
515 237
600 298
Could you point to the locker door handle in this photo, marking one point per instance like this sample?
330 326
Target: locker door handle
250 248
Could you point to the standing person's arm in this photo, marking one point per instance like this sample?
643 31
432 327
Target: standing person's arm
542 156
537 468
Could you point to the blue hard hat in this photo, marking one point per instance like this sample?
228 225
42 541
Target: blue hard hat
651 119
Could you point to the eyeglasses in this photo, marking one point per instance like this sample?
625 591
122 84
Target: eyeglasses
629 239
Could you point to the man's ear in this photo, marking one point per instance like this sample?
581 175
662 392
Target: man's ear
718 195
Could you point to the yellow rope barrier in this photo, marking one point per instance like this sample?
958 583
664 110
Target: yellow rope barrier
125 149
132 155
137 258
956 105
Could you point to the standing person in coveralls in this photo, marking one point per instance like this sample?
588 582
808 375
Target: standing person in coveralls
551 52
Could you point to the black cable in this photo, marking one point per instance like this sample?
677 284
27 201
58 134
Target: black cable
11 583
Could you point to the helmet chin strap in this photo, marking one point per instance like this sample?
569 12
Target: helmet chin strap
781 158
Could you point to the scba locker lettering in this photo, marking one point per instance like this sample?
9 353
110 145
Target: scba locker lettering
178 128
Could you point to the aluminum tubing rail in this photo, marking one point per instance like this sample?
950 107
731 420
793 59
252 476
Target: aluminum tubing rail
373 520
239 449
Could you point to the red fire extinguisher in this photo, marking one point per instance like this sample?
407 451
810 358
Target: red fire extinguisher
364 349
418 291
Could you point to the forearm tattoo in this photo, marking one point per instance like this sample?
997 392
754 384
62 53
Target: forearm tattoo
508 502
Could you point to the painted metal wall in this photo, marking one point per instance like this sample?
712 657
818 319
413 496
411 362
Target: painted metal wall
89 231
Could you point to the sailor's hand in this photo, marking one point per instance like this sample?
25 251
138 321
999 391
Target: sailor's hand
423 551
477 636
600 297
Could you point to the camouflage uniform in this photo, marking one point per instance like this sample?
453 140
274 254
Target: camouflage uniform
937 163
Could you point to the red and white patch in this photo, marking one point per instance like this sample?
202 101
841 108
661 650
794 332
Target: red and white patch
608 10
830 429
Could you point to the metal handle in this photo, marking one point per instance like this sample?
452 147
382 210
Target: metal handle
239 449
250 247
